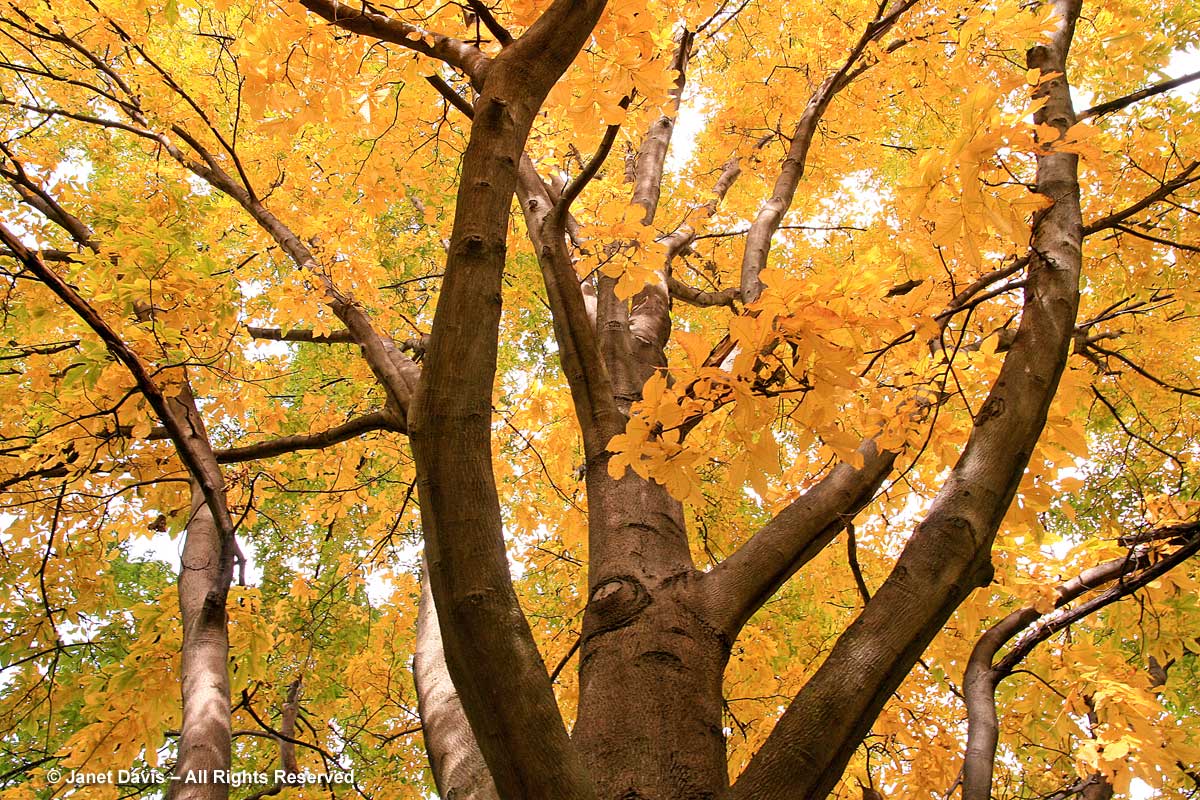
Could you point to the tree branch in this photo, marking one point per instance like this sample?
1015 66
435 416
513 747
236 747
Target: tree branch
578 344
452 97
739 585
280 735
573 189
770 217
375 421
51 256
490 22
300 335
285 741
1031 627
361 19
1131 98
652 155
1191 248
193 450
455 761
1169 187
949 553
699 297
636 334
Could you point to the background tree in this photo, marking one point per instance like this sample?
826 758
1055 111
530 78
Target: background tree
914 278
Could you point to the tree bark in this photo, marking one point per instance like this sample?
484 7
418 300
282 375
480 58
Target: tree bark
489 648
205 573
458 768
949 554
651 665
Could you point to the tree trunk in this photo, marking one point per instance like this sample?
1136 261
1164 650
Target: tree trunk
649 724
458 768
204 741
205 574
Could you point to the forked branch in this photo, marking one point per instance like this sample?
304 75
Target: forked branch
949 553
739 585
770 217
1029 627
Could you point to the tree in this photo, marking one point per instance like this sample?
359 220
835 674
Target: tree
893 290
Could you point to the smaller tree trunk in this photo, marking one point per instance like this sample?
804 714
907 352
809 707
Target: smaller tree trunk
458 768
204 741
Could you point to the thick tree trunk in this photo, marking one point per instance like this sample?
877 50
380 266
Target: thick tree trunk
489 648
649 724
204 741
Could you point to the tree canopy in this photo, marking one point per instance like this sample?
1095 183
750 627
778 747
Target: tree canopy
785 399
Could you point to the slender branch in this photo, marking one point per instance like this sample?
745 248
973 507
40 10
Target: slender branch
48 349
52 256
1191 391
88 118
679 241
454 98
943 317
1166 189
193 450
490 22
1031 627
566 659
573 189
984 281
375 421
287 749
1116 415
1150 91
364 20
578 345
770 217
39 198
1149 571
855 567
1190 248
27 767
280 735
300 335
744 231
